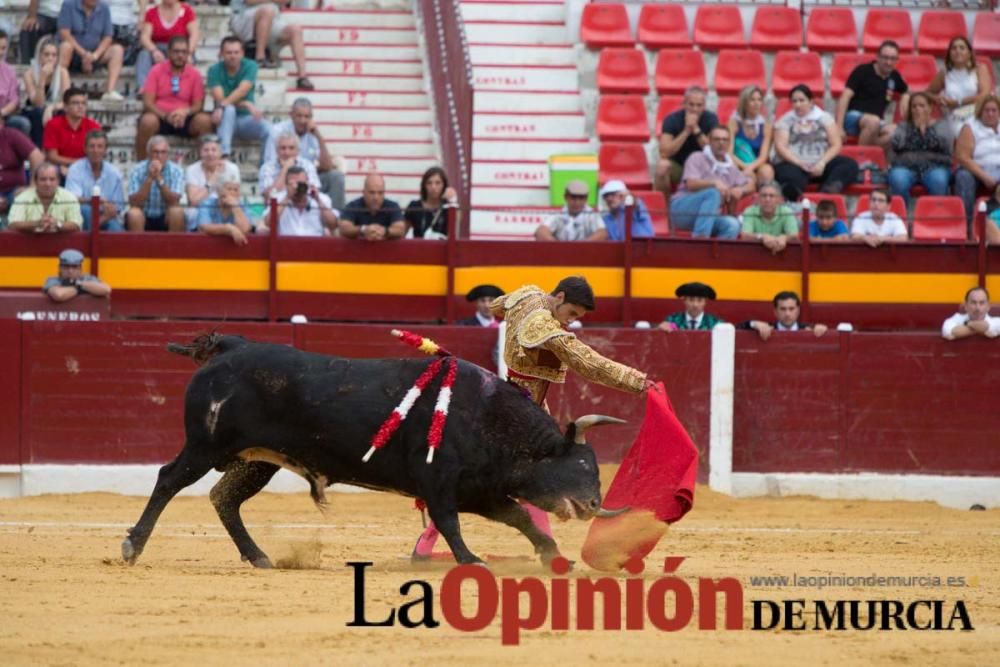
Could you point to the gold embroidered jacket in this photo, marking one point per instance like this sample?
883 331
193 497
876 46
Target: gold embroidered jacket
537 346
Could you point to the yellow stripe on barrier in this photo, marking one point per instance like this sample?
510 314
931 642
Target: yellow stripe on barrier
648 283
30 272
606 281
350 278
185 274
889 287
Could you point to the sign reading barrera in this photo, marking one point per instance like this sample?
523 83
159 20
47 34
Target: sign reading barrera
59 316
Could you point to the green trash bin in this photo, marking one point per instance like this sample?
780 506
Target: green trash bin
565 168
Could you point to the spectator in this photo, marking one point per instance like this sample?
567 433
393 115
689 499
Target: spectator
86 41
10 96
372 216
155 186
826 226
993 217
977 153
173 99
921 152
163 22
973 318
312 146
427 217
15 149
787 309
261 22
960 86
693 317
202 179
45 83
577 221
64 139
683 132
807 144
125 27
231 83
482 296
769 221
711 182
272 173
870 87
42 20
72 281
615 194
878 225
302 209
94 170
752 135
222 213
45 208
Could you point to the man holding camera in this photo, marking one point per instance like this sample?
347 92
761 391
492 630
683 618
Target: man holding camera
302 209
72 281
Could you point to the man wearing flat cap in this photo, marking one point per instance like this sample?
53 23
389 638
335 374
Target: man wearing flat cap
482 296
576 221
694 317
72 281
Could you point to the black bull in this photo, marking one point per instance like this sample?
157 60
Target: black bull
255 407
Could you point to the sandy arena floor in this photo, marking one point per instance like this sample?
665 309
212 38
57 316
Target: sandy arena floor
68 600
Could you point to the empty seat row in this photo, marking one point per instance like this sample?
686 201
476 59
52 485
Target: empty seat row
623 70
828 29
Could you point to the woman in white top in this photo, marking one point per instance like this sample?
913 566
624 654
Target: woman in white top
977 152
751 133
204 177
960 85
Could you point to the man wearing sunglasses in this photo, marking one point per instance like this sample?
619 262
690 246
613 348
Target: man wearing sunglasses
869 89
173 98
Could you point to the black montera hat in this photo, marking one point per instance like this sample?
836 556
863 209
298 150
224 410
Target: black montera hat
696 289
479 291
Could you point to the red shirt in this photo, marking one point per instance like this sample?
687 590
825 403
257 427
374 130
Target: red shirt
179 28
14 150
67 141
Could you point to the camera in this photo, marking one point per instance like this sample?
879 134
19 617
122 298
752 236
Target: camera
301 189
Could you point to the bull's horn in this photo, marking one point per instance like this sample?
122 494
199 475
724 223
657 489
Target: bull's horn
585 422
610 514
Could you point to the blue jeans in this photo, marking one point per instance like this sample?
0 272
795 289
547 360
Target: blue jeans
113 225
966 185
144 63
699 212
852 123
240 127
935 179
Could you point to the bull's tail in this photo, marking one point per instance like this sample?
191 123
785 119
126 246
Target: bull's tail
204 347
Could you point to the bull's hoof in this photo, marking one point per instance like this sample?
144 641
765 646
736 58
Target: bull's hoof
129 552
262 563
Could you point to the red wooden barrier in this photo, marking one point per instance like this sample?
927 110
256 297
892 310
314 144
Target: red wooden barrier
10 392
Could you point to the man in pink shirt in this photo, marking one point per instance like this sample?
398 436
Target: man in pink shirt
172 98
10 97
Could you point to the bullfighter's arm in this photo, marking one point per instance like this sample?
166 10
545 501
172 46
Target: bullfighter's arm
594 367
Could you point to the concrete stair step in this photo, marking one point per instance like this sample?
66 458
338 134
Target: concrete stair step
506 224
486 32
364 163
417 149
397 186
325 116
339 132
487 54
382 83
509 196
363 52
510 174
521 102
319 37
517 126
342 66
504 149
517 78
364 99
512 12
367 4
351 18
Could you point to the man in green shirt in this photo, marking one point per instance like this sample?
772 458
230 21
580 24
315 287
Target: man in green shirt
231 83
46 208
768 221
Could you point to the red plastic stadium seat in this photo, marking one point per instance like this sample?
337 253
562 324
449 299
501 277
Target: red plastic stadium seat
986 34
605 24
621 70
679 69
792 68
838 201
781 107
984 60
831 29
843 65
626 162
727 105
666 106
937 28
917 71
883 24
719 27
897 205
663 26
776 28
865 155
736 69
622 118
656 204
939 219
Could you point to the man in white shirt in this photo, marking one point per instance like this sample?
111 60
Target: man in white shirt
302 210
577 221
312 147
975 321
273 173
878 225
